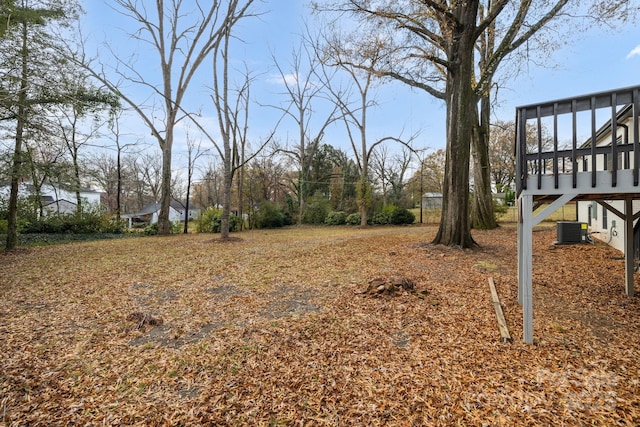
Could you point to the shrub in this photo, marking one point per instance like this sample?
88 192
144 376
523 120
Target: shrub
384 216
353 219
380 218
88 222
269 215
151 229
401 216
499 209
3 226
336 218
175 227
318 208
392 214
210 221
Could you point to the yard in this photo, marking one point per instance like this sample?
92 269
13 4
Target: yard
275 328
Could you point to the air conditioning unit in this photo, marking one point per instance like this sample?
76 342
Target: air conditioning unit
570 232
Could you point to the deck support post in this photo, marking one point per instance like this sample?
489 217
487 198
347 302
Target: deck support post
629 250
525 261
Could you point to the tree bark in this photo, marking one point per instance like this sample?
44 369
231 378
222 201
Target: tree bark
455 227
228 184
16 169
482 214
164 226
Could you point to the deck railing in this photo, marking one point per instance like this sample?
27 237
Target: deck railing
561 137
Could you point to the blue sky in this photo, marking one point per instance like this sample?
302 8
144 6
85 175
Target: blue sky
595 61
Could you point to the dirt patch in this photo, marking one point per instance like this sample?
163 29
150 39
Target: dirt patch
224 291
167 336
287 301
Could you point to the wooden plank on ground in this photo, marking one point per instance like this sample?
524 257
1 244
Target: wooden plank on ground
502 323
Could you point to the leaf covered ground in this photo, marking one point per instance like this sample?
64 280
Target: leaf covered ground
275 328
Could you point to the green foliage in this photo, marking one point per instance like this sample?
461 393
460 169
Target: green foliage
384 216
336 218
27 210
151 229
88 222
509 198
210 221
175 227
499 209
353 219
269 215
3 226
401 216
364 193
392 214
318 208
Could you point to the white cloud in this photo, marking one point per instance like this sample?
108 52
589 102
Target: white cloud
289 79
634 52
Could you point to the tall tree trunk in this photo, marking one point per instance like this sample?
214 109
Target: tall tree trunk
186 204
76 178
455 227
16 169
241 196
119 185
482 215
164 225
228 185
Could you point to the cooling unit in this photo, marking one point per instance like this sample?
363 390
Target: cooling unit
570 232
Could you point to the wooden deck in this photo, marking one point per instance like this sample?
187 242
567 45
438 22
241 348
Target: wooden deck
555 165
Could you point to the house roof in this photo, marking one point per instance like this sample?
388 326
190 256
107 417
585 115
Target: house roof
624 113
154 207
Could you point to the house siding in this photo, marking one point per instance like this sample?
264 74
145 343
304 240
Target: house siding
593 213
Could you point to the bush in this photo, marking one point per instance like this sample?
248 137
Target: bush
269 215
151 229
210 221
3 226
401 216
353 219
380 218
384 217
318 208
499 209
89 222
336 218
175 227
392 214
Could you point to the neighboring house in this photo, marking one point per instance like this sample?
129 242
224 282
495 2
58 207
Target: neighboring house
54 198
149 214
602 223
432 200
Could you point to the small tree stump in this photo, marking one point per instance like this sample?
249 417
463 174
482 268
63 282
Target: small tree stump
390 286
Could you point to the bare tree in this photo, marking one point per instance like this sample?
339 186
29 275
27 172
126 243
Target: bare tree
78 122
194 152
121 147
182 35
233 115
357 60
305 86
208 189
431 45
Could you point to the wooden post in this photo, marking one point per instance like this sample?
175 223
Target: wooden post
629 250
520 242
525 261
505 336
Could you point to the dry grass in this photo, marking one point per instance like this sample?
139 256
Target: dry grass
273 330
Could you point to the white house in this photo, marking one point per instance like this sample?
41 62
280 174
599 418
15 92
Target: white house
602 222
149 214
54 198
